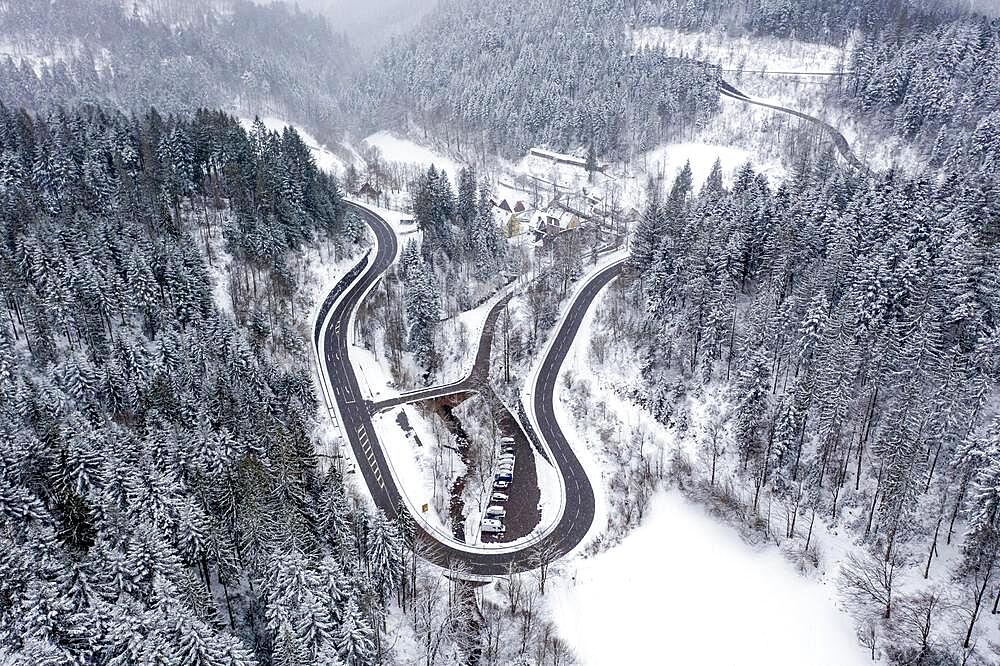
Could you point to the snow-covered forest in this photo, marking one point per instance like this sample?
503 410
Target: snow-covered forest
510 75
161 499
176 55
799 346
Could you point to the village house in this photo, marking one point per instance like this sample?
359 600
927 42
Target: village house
370 193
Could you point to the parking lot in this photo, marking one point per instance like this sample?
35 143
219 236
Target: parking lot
523 513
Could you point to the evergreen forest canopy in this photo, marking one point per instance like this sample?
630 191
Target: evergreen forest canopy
159 495
855 319
509 75
159 488
177 56
937 87
820 21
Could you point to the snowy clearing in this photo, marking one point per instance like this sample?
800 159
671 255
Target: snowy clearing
396 149
686 590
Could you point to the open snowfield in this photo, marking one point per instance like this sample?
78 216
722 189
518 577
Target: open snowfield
753 53
684 589
396 149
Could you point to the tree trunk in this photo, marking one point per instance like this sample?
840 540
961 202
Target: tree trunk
933 548
978 600
866 429
958 504
871 513
798 451
812 519
732 338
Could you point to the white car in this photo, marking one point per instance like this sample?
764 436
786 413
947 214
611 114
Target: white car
502 484
508 456
497 512
506 440
499 497
492 527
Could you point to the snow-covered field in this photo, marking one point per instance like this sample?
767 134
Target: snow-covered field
397 149
750 53
685 589
413 464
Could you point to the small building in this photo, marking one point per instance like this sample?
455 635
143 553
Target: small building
501 204
370 192
519 207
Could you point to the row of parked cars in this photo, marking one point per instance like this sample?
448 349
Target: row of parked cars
502 478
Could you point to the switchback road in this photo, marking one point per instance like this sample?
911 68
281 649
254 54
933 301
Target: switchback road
331 339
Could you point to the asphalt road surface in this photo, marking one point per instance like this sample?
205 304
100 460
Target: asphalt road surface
478 377
333 327
838 138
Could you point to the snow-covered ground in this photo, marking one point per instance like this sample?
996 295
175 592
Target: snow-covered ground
750 53
404 151
686 590
413 464
667 160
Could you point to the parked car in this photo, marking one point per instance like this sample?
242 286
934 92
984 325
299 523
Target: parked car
503 476
501 484
499 497
508 456
493 527
506 467
497 512
506 440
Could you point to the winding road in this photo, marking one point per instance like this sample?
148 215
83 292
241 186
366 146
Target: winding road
343 393
839 140
333 326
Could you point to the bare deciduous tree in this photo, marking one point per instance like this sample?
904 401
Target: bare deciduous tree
869 580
